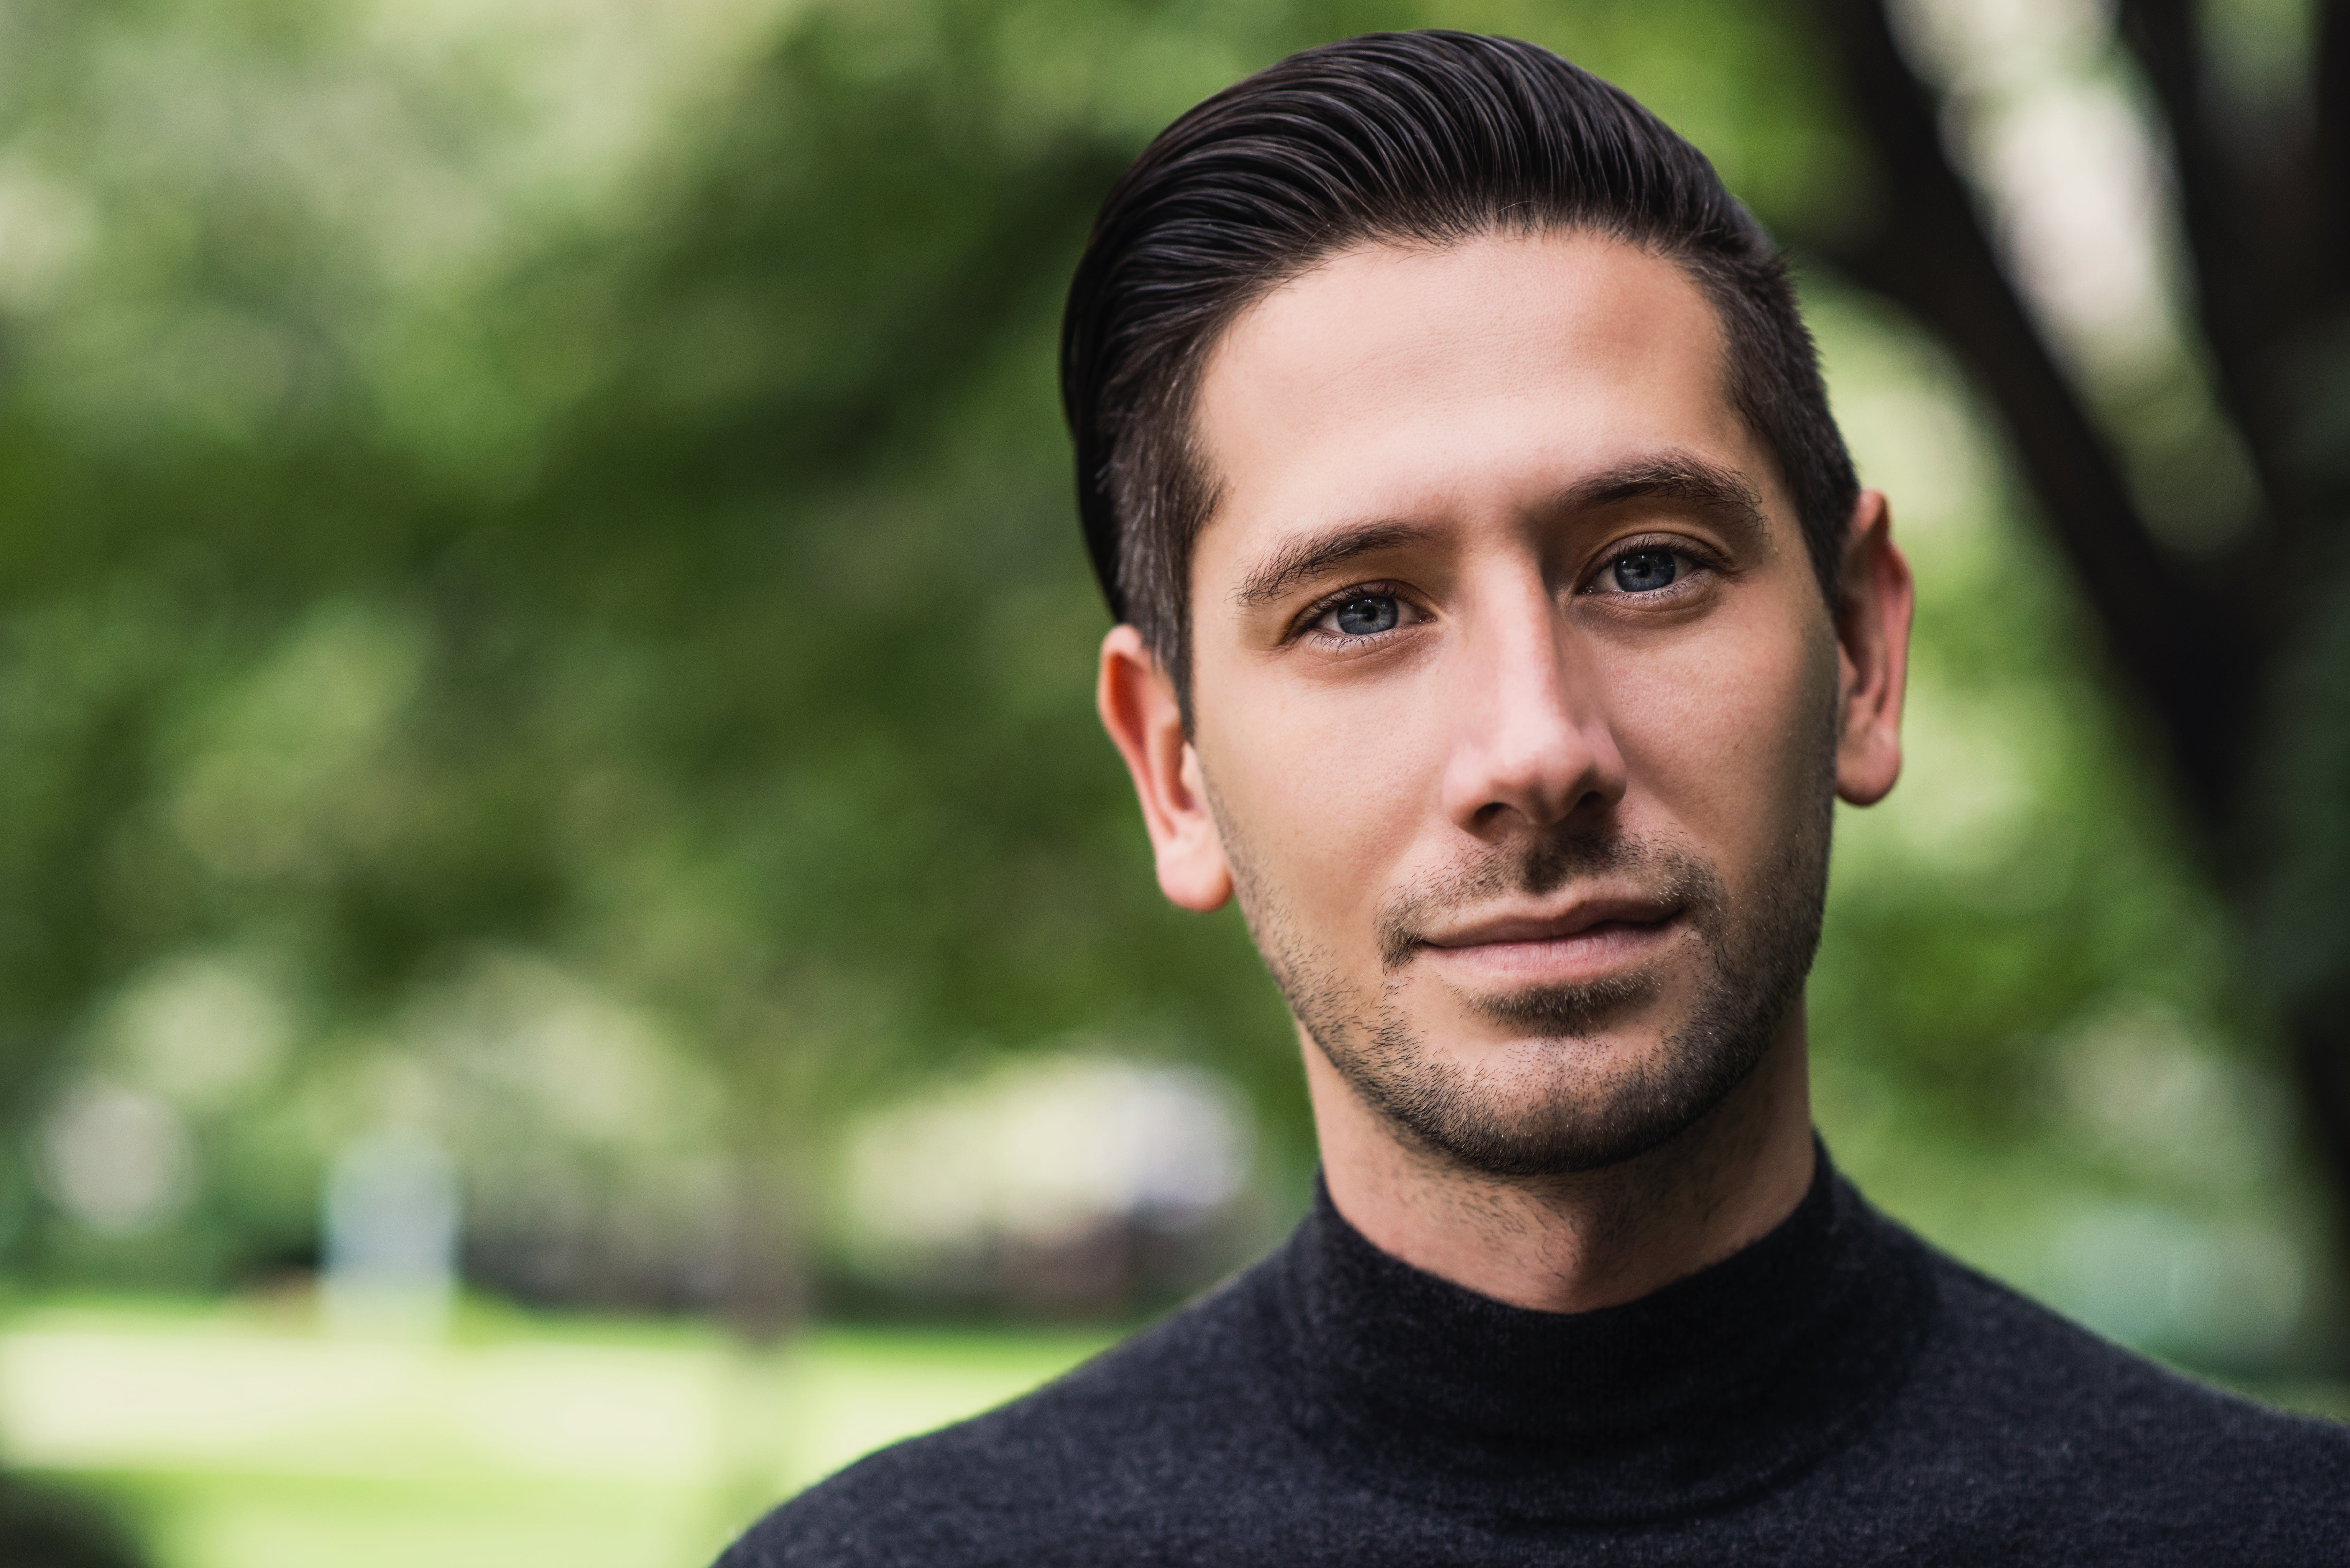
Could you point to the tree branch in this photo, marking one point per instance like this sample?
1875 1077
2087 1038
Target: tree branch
2192 660
2242 208
2329 154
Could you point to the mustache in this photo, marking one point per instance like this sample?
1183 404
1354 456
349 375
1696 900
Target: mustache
1539 867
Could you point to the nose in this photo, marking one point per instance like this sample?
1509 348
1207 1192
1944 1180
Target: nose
1531 742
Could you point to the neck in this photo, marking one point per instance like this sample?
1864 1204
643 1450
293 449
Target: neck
1592 1238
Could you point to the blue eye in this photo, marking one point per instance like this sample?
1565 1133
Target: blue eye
1645 571
1363 616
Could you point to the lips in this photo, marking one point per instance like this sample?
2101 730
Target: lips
1584 918
1583 943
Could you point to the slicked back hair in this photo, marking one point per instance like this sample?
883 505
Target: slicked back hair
1421 139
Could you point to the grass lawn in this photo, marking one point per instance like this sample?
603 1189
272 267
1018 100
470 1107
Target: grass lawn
240 1435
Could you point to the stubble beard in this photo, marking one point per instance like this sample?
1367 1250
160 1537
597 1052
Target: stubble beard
1565 1098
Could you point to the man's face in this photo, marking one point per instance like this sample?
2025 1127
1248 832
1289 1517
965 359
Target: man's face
1515 696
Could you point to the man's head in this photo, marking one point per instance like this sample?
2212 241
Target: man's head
1492 664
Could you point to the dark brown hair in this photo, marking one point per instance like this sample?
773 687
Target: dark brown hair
1426 138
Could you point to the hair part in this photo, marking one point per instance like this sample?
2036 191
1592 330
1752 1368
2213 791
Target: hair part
1420 139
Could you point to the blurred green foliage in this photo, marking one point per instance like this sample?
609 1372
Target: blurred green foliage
584 487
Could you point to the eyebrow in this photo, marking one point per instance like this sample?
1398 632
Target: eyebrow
1309 558
1692 483
1721 494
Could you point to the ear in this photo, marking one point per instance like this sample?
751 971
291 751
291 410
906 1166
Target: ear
1872 654
1139 708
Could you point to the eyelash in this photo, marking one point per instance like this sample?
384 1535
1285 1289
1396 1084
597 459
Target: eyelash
1700 560
1305 625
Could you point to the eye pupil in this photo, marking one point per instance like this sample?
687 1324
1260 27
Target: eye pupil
1361 618
1645 571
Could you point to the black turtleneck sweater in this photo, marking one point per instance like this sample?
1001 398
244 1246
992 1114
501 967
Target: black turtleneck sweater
1836 1393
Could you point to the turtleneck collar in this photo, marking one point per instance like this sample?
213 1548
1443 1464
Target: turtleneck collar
1713 1389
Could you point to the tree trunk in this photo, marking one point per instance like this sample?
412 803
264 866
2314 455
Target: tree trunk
2266 212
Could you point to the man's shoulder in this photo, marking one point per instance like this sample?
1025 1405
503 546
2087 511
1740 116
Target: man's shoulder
2007 1388
1110 1439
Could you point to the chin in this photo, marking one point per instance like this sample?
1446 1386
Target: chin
1534 1084
1617 1007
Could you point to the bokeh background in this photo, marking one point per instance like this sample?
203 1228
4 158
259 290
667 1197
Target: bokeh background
571 957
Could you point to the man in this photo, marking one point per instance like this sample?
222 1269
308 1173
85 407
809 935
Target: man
1499 618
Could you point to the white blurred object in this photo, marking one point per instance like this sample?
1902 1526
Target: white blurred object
391 1231
116 1158
203 1030
1047 1146
2152 1277
2147 1087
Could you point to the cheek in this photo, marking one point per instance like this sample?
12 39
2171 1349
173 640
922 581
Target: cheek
1723 731
1326 793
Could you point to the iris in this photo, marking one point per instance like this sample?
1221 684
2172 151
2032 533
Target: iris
1361 618
1645 571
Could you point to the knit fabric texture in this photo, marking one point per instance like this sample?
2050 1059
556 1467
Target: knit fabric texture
1836 1393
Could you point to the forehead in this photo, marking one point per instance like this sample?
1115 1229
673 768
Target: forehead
1418 382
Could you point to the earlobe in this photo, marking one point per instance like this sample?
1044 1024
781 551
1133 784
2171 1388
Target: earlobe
1138 708
1872 654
